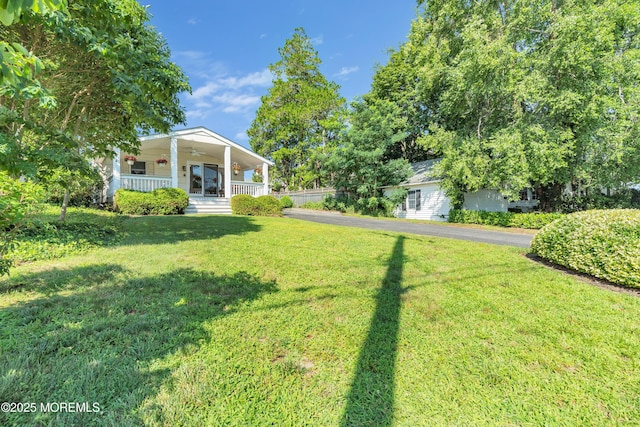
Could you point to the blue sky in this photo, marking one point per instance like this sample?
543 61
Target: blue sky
225 48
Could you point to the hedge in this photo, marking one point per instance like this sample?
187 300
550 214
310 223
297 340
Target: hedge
243 204
602 243
163 201
535 220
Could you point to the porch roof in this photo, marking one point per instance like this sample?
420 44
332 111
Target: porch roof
204 141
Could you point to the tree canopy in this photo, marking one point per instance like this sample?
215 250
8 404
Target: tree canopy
94 77
299 118
361 164
521 94
397 82
108 74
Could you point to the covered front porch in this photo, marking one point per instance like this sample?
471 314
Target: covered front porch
204 164
150 183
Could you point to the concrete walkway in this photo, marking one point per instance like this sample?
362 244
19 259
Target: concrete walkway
460 233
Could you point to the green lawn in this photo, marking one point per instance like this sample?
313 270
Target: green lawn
205 320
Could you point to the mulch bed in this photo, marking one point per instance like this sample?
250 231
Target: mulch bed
601 283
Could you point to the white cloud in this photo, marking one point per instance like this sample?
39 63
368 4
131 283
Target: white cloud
317 41
345 71
218 90
263 36
202 104
228 94
193 21
192 55
232 102
261 78
206 90
241 136
196 114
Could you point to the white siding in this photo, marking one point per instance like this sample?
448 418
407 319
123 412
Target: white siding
434 204
485 200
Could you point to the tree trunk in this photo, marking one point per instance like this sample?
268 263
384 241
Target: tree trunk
549 196
65 203
457 202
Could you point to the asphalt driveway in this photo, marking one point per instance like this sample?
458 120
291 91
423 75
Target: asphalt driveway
460 233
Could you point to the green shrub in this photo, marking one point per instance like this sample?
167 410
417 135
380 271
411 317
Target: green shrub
132 202
316 206
243 204
533 220
286 202
621 199
461 216
602 243
268 206
163 201
18 201
329 202
169 201
376 206
84 188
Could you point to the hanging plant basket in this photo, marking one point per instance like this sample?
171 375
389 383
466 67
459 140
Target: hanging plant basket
130 159
162 162
236 168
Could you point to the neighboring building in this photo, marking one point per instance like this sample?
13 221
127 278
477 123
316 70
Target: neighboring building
427 200
208 166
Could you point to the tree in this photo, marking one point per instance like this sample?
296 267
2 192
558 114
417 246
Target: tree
528 94
19 66
397 82
18 200
298 120
111 77
361 163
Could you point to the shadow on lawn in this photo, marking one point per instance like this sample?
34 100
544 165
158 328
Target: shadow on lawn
99 344
55 279
370 399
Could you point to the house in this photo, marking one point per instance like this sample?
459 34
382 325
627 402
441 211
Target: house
427 200
208 166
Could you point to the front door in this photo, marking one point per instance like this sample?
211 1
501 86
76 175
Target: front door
204 180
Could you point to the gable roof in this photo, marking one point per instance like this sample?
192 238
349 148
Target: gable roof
204 135
422 173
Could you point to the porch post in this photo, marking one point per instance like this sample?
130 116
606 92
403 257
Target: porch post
265 178
117 180
227 172
174 162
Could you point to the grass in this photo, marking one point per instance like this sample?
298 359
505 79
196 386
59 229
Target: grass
205 320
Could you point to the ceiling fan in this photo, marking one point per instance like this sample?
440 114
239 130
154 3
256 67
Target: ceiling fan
196 153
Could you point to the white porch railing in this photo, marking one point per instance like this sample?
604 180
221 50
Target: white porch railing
150 183
144 182
254 189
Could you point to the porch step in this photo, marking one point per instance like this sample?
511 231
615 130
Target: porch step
203 205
